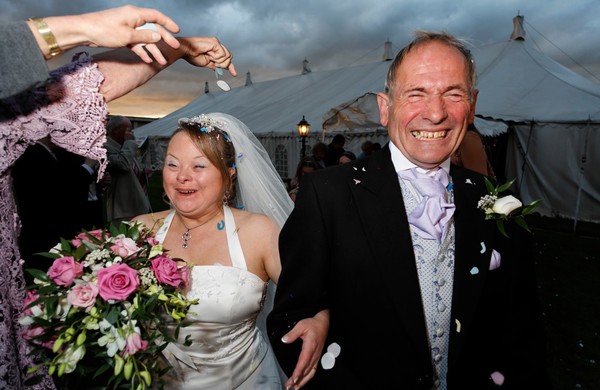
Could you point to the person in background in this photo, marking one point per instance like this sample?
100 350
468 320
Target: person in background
69 105
346 157
213 162
335 150
318 153
51 189
125 197
305 166
366 149
472 154
423 291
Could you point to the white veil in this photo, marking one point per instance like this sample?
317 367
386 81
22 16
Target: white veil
259 188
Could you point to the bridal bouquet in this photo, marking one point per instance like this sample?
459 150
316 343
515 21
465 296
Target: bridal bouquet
503 208
99 312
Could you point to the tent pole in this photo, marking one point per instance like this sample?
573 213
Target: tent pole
581 174
525 155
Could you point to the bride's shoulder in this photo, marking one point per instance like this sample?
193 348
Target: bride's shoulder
252 220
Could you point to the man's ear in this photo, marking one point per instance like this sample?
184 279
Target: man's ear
473 104
383 100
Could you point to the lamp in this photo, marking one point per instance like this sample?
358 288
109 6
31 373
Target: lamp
303 129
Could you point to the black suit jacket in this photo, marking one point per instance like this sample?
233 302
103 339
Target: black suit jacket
347 247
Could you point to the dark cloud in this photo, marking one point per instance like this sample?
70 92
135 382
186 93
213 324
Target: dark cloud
271 38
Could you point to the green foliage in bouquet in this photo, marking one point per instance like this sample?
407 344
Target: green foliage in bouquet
98 315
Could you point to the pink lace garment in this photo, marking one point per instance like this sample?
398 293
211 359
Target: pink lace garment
73 112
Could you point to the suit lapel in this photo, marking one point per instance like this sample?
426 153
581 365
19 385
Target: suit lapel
473 246
381 210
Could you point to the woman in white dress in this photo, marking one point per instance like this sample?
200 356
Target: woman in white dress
213 163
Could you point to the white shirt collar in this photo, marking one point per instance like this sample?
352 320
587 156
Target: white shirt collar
401 163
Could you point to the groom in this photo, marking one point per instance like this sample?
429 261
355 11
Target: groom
423 292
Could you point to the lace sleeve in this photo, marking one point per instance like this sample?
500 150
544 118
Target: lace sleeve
70 109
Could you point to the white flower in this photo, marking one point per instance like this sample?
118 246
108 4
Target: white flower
56 248
71 357
112 339
506 205
155 251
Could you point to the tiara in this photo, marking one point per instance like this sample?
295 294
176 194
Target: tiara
207 124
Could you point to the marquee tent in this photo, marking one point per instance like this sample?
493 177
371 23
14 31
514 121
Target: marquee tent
553 115
272 109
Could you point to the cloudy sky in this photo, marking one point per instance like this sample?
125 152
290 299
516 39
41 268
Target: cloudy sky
271 38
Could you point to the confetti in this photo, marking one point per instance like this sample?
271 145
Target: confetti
335 349
474 271
482 247
457 326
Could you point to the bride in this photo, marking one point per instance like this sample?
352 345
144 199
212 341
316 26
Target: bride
228 204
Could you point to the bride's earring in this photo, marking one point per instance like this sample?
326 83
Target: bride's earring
225 198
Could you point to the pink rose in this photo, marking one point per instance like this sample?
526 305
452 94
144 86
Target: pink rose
167 272
124 247
76 242
117 281
83 295
30 296
133 344
65 270
152 241
30 333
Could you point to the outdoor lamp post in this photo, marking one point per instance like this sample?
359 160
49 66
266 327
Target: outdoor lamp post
303 129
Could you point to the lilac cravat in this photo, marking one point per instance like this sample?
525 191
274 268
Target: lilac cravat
434 212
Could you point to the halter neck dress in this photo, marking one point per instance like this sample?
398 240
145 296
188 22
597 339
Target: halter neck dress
228 351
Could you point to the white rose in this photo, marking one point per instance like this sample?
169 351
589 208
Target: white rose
506 205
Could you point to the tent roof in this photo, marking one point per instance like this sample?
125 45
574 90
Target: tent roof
517 82
276 106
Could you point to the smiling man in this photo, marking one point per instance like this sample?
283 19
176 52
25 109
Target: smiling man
423 291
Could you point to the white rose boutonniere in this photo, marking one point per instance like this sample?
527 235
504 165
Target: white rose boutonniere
503 208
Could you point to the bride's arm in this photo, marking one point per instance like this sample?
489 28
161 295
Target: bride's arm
313 331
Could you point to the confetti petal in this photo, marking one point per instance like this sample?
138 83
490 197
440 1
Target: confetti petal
482 247
468 181
474 271
497 378
356 181
327 361
457 326
335 349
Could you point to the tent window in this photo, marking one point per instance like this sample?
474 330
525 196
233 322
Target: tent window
281 161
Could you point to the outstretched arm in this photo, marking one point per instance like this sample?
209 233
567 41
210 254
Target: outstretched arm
112 28
123 71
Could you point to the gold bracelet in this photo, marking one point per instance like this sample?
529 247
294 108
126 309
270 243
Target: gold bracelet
46 33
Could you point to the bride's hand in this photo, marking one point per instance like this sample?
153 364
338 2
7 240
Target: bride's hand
313 332
207 52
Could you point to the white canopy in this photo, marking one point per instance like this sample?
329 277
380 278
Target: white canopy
552 113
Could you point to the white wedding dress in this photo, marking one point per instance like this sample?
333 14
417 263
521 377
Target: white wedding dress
228 350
